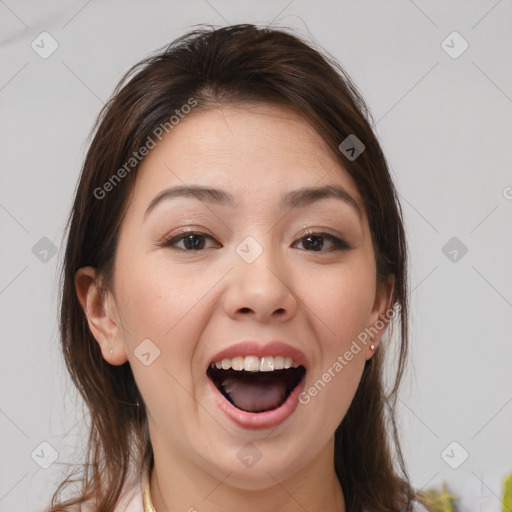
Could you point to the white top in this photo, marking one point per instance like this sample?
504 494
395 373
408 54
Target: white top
131 501
138 499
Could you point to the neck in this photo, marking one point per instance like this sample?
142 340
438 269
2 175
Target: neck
177 484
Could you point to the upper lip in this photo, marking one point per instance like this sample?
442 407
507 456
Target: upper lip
254 348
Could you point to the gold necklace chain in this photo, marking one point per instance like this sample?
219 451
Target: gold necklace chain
146 493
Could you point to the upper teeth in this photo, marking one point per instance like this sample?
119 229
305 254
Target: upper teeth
256 364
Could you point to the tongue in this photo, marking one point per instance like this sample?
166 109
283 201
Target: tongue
255 396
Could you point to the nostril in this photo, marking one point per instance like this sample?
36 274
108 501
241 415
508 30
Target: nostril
245 310
279 311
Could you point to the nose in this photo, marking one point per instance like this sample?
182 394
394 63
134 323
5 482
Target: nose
259 291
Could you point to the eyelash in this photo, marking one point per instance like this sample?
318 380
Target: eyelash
339 243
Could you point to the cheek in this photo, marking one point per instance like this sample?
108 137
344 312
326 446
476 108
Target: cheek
169 304
157 299
162 303
155 304
340 300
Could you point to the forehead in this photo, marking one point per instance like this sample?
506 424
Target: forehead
252 150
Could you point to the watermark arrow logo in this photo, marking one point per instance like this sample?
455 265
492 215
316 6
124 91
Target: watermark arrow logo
249 249
454 45
352 147
44 454
44 250
249 455
44 45
454 250
146 352
454 455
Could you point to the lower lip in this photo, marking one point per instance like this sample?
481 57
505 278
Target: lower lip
262 420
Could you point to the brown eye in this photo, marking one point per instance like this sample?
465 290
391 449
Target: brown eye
190 242
313 243
193 242
322 242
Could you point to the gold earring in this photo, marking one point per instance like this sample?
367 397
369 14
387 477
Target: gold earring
372 346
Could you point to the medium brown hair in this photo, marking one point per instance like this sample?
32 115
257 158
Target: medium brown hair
239 63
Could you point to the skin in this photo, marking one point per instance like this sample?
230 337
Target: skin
192 304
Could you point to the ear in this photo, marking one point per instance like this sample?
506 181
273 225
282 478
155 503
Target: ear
381 313
100 310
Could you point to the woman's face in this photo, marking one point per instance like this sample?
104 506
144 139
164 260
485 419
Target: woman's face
244 237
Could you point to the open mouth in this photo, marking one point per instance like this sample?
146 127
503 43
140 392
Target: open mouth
256 391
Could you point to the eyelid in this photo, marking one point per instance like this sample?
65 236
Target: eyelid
179 233
336 238
175 236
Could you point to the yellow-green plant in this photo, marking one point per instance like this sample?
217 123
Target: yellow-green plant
440 501
507 494
444 501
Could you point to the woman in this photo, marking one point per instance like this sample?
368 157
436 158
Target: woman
235 255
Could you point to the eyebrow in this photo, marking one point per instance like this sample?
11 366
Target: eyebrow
295 199
309 195
207 194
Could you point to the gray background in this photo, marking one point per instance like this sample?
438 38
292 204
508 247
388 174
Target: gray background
445 125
